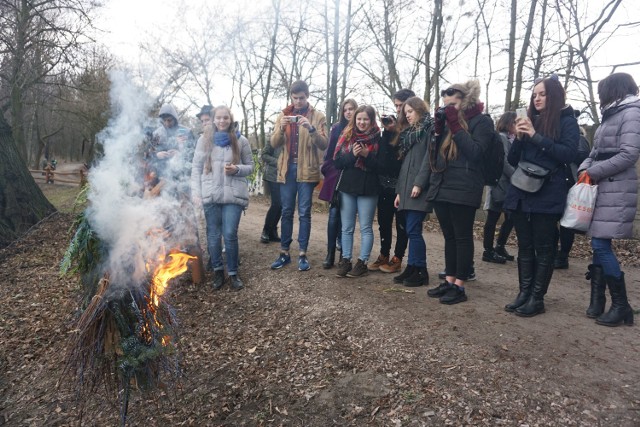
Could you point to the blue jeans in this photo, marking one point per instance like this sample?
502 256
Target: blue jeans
334 225
365 208
222 221
603 255
417 247
288 192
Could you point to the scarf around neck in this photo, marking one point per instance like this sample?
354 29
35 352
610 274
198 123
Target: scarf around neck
370 139
413 134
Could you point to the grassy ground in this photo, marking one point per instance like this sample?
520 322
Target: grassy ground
61 196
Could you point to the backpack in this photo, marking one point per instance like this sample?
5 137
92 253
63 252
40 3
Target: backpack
493 159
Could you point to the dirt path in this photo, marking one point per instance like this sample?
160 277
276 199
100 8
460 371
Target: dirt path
309 349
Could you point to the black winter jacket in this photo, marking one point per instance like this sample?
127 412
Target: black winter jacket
551 154
460 181
356 181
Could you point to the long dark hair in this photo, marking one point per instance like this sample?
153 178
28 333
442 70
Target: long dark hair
615 87
546 121
209 134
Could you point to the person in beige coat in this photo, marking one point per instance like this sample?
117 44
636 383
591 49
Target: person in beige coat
302 132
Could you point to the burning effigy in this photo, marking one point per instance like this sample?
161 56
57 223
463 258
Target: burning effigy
136 235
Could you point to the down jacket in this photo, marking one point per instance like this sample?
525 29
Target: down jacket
216 186
618 137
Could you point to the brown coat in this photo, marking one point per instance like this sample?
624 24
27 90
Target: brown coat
310 148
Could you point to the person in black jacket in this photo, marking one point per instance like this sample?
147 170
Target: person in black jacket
548 138
388 175
567 235
463 134
356 155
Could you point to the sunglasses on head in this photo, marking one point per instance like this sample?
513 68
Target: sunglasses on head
449 92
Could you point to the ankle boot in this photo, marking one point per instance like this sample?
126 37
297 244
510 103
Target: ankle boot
264 237
502 251
419 277
330 260
561 262
543 273
405 274
620 311
273 234
598 288
489 255
525 280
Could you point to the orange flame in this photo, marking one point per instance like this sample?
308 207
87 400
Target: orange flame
166 271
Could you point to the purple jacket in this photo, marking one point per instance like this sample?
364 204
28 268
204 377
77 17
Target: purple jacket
611 164
328 169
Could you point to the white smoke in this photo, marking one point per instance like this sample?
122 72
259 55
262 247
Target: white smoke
132 227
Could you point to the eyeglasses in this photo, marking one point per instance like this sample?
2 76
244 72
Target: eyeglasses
449 92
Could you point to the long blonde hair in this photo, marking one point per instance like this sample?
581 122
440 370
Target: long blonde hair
449 149
210 133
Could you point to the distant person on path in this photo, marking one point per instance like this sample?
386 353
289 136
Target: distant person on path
412 185
270 176
547 138
356 155
494 199
392 161
221 164
463 134
301 130
331 175
611 165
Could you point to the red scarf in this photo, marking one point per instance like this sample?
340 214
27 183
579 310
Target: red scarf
369 139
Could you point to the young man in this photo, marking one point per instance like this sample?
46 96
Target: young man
301 131
205 116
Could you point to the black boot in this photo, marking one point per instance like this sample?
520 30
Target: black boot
419 277
502 251
218 280
405 274
273 234
264 237
620 311
525 281
236 283
543 273
330 260
489 255
598 294
561 262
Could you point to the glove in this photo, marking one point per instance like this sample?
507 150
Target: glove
452 119
439 121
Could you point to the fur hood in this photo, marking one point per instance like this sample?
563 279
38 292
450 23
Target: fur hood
471 92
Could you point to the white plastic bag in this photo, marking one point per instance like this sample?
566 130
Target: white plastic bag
581 201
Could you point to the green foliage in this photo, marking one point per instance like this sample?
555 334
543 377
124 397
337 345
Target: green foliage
84 252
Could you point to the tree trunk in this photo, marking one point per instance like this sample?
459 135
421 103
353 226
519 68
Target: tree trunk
22 203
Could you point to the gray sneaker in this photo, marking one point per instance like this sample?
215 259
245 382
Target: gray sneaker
359 270
344 267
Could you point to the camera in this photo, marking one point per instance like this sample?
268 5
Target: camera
440 114
387 120
293 119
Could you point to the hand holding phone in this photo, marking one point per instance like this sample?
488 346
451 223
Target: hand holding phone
521 113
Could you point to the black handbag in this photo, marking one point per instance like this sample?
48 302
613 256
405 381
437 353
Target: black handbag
335 197
529 177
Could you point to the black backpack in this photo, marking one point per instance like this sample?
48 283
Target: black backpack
493 159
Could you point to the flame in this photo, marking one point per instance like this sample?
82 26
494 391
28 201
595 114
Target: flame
166 271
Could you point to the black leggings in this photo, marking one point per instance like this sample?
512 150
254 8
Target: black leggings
537 235
567 236
490 229
456 223
386 211
275 210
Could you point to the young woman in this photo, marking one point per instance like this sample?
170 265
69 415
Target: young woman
463 133
356 155
611 164
412 185
331 174
221 163
495 198
547 138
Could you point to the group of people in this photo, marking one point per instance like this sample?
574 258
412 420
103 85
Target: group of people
420 163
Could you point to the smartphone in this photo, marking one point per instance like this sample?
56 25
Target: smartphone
293 119
521 113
